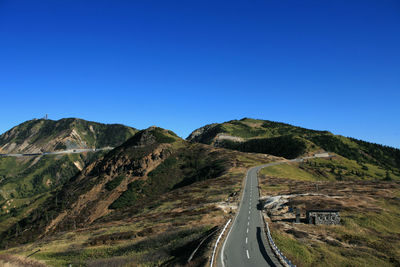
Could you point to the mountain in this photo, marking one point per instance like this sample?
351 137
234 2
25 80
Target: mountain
155 188
155 198
280 139
25 182
150 163
42 135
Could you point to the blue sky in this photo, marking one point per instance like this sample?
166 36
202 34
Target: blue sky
327 65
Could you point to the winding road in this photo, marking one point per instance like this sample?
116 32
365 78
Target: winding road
246 243
70 151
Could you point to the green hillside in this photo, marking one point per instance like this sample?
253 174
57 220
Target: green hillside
289 141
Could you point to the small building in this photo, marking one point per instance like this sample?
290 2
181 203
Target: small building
328 217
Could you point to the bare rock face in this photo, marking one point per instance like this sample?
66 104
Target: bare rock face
196 133
205 134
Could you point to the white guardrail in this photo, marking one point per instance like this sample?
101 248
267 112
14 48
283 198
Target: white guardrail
216 243
285 261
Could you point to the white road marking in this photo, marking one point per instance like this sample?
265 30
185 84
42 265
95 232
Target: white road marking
248 223
246 240
249 211
247 251
247 229
249 218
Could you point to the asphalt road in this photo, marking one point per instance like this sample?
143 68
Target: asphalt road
246 243
70 151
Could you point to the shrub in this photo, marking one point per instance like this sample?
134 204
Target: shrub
114 182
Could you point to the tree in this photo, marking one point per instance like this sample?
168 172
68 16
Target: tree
388 177
17 230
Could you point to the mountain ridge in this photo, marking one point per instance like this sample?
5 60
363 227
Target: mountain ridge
40 135
156 196
281 139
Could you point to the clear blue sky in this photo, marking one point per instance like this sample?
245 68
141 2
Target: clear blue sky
327 65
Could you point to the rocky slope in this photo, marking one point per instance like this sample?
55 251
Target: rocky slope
36 136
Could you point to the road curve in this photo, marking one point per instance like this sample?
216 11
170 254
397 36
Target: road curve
246 243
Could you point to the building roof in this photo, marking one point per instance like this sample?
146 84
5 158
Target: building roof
322 210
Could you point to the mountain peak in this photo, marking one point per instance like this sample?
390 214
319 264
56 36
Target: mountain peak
152 135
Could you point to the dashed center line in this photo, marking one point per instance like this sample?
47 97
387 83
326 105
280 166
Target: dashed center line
247 252
247 229
246 240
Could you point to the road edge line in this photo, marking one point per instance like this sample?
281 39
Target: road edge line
236 215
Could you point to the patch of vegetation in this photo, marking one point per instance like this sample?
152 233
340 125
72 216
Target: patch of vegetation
240 129
114 182
171 248
336 168
295 250
60 146
290 171
128 197
163 136
283 146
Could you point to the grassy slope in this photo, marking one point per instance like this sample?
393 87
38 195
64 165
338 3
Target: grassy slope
289 141
29 184
337 168
362 239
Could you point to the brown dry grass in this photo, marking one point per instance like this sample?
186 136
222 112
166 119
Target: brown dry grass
18 261
369 233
